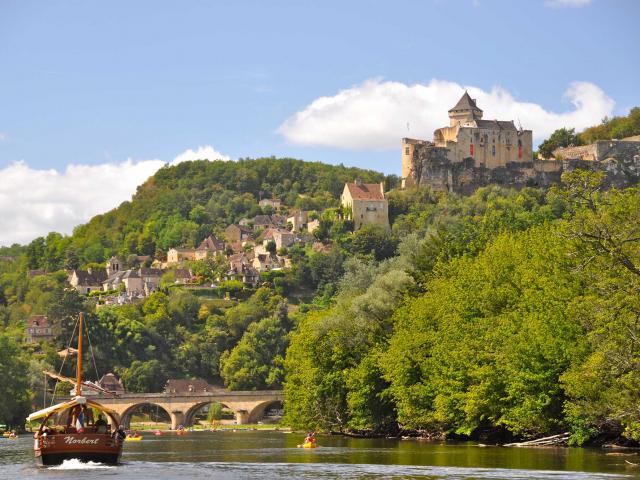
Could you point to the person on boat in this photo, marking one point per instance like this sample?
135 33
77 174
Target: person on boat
101 424
310 438
120 433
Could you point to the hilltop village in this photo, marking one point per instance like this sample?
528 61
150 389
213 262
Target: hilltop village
246 254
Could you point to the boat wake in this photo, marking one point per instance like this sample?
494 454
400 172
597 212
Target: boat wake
75 464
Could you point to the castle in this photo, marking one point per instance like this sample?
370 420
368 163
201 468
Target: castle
472 152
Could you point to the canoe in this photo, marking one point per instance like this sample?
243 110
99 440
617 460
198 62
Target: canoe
308 445
133 439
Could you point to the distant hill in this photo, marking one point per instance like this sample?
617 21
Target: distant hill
182 204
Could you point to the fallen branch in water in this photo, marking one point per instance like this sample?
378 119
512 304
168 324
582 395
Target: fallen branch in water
560 439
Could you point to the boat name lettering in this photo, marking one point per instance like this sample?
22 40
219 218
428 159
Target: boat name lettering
81 441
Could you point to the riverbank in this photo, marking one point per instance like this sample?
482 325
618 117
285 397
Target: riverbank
166 427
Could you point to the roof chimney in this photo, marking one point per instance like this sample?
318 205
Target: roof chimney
358 182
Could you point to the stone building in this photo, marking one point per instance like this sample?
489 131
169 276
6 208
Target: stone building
298 220
111 383
472 152
38 329
366 204
86 281
210 246
177 255
140 282
241 268
482 144
270 202
237 234
114 264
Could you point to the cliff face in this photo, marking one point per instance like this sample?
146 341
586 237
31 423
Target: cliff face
432 167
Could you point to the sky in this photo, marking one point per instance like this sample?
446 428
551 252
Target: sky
96 96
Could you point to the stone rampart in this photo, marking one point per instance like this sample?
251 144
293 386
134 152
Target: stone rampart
432 167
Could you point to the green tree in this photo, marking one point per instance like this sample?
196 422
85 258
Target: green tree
145 377
256 362
14 369
563 137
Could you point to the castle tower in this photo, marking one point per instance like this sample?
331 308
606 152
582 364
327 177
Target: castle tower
465 111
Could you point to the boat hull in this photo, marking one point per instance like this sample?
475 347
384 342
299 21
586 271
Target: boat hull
52 459
97 448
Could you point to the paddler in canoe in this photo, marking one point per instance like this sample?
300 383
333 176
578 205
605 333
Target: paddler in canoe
133 437
309 441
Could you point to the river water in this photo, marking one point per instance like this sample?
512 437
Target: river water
273 455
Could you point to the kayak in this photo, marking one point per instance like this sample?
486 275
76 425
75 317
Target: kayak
308 445
133 439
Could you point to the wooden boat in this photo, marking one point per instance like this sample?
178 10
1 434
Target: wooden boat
68 430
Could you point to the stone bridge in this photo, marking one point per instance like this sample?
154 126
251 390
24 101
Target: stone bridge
249 406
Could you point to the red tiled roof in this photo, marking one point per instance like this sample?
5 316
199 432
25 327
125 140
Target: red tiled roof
38 321
365 191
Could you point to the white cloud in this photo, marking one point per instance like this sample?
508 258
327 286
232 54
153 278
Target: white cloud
376 114
3 137
202 153
34 202
566 3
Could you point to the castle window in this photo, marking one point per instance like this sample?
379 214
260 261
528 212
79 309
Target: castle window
493 150
406 150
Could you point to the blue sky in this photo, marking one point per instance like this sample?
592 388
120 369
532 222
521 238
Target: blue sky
97 83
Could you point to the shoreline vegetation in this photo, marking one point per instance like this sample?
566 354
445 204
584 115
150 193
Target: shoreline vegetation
500 317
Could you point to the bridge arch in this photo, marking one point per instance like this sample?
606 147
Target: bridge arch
257 412
125 417
190 414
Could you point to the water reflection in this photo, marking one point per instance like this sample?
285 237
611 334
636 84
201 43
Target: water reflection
272 455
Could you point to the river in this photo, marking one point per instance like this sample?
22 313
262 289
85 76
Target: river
273 455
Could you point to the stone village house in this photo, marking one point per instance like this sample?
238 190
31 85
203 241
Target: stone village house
38 329
366 204
86 281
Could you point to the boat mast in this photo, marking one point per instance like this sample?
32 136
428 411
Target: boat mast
79 364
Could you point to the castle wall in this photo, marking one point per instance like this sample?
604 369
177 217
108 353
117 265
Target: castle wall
617 149
433 167
582 152
490 148
600 150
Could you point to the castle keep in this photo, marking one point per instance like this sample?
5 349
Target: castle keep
473 152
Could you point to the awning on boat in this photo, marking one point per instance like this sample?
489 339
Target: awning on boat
85 384
56 408
66 405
